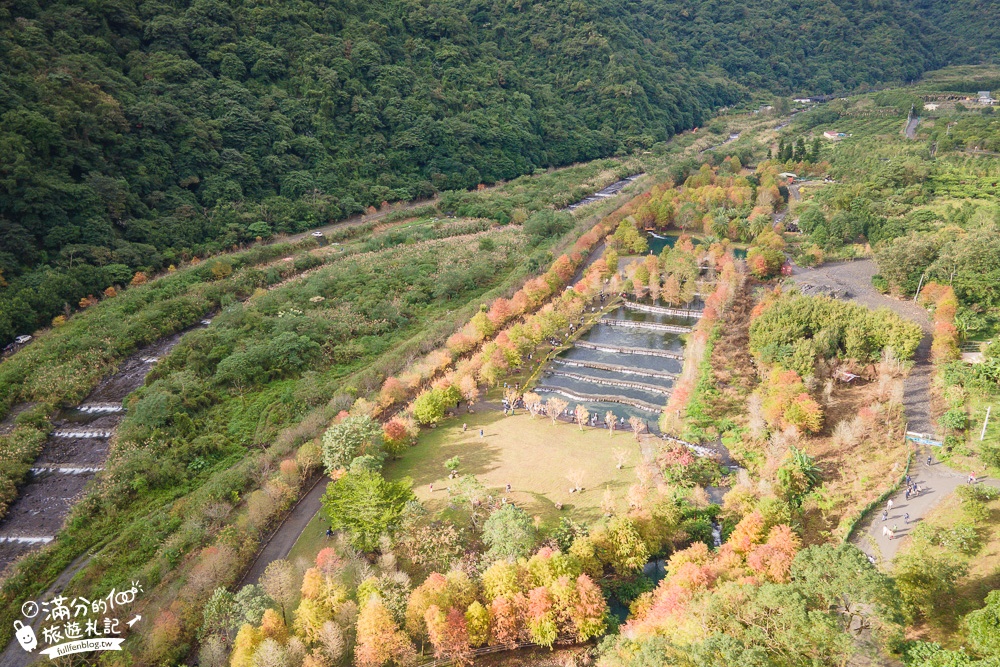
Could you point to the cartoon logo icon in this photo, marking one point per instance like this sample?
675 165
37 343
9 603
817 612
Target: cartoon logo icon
30 609
25 636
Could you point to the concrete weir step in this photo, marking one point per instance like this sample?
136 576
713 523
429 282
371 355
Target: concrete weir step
82 433
63 469
93 408
599 398
608 382
41 539
628 350
651 326
615 368
661 310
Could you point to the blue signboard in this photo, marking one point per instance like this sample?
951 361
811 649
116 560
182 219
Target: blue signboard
924 441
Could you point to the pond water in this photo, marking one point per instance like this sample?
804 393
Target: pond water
655 571
657 242
628 385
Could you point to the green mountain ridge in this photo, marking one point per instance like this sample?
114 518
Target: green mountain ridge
136 134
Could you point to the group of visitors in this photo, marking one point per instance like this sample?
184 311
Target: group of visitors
912 488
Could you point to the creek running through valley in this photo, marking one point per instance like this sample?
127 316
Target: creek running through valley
73 454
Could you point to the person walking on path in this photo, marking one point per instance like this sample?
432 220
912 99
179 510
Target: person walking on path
885 515
906 517
481 435
888 505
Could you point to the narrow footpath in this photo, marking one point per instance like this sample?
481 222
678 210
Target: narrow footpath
284 537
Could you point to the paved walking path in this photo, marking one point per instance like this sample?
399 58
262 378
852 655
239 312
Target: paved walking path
936 480
288 532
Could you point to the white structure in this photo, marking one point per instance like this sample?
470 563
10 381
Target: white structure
931 106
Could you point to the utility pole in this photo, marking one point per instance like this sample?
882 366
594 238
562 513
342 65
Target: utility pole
919 285
982 434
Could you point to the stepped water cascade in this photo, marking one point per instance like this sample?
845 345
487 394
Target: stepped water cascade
73 455
626 363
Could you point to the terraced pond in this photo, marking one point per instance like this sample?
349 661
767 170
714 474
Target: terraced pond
625 364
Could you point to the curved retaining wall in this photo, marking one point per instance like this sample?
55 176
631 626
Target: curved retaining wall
661 310
615 368
599 398
651 326
608 382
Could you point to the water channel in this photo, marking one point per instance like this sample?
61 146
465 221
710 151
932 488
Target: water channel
604 193
73 454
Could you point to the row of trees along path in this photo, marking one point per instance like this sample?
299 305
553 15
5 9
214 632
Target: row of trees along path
936 480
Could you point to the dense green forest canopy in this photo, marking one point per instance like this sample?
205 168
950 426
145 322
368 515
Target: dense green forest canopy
136 134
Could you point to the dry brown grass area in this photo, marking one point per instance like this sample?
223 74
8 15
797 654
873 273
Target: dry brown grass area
861 452
733 371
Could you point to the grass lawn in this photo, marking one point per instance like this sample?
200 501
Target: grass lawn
967 457
983 569
531 455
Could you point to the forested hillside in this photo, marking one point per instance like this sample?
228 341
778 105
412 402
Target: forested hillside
134 135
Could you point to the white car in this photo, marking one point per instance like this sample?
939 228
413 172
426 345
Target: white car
318 235
21 340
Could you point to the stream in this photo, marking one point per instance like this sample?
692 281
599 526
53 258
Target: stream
73 454
604 193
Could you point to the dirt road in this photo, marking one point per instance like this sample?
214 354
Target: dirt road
356 220
854 280
911 127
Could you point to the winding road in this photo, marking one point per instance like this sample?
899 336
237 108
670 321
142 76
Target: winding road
936 480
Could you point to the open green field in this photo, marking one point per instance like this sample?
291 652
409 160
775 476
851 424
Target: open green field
531 455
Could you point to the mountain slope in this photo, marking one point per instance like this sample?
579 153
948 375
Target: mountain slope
135 134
